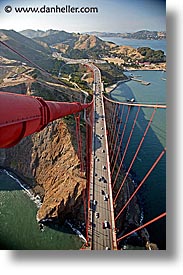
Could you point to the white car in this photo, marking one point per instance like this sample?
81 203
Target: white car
105 224
94 202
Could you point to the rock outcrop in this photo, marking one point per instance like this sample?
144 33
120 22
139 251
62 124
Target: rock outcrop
49 163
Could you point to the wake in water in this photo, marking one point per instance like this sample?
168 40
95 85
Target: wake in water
76 231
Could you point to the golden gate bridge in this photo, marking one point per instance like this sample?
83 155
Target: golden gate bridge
110 195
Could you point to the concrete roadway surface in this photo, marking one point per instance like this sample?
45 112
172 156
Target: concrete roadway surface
101 206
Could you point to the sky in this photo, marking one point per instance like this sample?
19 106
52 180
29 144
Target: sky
113 15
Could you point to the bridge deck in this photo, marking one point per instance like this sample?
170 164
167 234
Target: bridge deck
101 215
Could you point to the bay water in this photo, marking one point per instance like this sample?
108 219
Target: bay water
153 192
136 43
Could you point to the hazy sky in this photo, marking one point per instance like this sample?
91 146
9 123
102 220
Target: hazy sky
112 16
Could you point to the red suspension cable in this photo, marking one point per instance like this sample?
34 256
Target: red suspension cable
142 226
136 153
111 117
79 142
126 146
129 108
142 182
119 126
113 121
23 56
114 130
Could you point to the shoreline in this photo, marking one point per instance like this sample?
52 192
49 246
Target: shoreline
36 199
25 187
112 87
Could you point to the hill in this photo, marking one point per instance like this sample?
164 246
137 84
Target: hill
145 34
90 46
39 54
142 34
32 33
73 45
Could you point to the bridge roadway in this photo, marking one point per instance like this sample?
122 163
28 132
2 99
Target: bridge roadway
101 231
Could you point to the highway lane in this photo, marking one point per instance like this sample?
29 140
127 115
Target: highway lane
102 224
101 229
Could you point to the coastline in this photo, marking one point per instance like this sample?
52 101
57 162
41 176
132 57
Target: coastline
26 188
112 87
36 199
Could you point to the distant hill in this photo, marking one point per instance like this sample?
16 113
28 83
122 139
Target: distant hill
73 45
50 37
32 33
142 34
39 54
76 45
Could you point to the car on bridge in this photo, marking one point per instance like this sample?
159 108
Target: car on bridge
97 215
105 224
106 197
94 202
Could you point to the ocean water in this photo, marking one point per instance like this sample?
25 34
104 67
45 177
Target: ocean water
153 192
136 43
19 229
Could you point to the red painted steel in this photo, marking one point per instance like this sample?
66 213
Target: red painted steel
118 134
129 138
142 226
136 153
22 115
124 128
142 182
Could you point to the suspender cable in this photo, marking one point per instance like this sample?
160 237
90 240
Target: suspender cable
79 141
129 108
111 116
142 226
126 146
114 130
113 124
136 153
144 179
84 205
119 126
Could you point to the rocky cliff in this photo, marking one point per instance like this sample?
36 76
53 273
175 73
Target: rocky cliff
49 163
